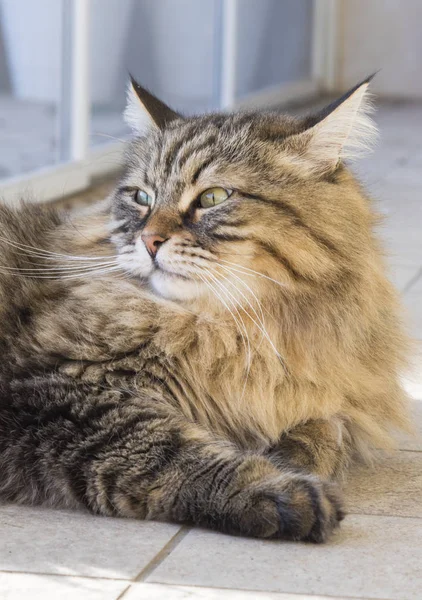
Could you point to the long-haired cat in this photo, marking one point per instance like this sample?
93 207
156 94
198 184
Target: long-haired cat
216 342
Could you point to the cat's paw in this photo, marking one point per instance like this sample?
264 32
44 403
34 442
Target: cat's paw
295 507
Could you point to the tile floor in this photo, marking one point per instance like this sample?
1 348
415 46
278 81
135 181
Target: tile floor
377 553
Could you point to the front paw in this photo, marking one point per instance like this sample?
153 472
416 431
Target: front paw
294 507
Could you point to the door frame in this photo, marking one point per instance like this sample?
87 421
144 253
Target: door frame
85 165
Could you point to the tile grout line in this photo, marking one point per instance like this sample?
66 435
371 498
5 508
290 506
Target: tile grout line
254 590
383 516
124 591
155 562
67 575
412 281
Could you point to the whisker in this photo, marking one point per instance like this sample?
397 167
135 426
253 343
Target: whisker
239 322
111 137
261 316
262 329
262 308
42 253
239 327
39 268
57 276
247 271
248 349
233 302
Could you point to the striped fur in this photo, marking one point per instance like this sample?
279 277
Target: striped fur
227 383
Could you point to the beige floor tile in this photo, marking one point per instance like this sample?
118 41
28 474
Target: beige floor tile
157 591
369 557
400 199
412 441
75 543
403 245
413 305
20 586
392 487
412 378
402 275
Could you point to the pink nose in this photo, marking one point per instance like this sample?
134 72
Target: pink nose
152 242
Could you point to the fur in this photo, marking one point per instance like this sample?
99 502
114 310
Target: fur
228 380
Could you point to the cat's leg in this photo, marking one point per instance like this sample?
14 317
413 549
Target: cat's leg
321 446
64 443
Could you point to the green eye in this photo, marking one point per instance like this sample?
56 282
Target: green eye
214 196
143 198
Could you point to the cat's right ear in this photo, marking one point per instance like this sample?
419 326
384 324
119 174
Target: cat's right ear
144 111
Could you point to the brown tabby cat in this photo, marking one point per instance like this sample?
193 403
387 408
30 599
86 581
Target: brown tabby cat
213 344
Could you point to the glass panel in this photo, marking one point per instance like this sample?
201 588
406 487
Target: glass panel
30 84
170 46
274 42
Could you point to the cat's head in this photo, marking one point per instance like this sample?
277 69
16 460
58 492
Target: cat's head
232 203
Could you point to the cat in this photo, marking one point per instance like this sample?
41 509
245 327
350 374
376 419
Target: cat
213 344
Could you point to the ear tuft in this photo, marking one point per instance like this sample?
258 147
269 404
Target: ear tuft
343 131
144 111
135 114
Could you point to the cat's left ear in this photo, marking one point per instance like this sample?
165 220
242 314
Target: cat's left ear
343 130
144 111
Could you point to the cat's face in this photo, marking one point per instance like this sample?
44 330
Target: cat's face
230 204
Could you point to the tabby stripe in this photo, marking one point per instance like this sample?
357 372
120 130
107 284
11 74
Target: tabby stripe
158 383
78 482
217 464
315 501
64 411
197 474
220 477
269 248
199 170
108 483
104 438
195 150
124 228
297 220
174 149
228 237
84 454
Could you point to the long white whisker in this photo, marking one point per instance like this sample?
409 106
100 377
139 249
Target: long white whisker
99 271
234 303
258 316
59 269
106 135
251 271
238 320
42 252
263 330
248 349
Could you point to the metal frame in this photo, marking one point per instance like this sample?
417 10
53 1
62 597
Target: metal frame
79 83
325 44
228 54
65 178
78 165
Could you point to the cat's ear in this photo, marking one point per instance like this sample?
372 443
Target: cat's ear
343 130
144 111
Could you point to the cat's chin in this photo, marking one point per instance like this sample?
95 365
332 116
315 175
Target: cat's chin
176 287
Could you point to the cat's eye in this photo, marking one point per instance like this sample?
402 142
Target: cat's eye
213 196
143 198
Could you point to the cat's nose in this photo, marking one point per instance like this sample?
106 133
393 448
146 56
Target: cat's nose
152 242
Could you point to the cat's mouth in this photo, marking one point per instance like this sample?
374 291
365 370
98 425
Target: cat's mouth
170 273
170 283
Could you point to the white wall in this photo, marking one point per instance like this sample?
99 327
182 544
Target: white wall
381 34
